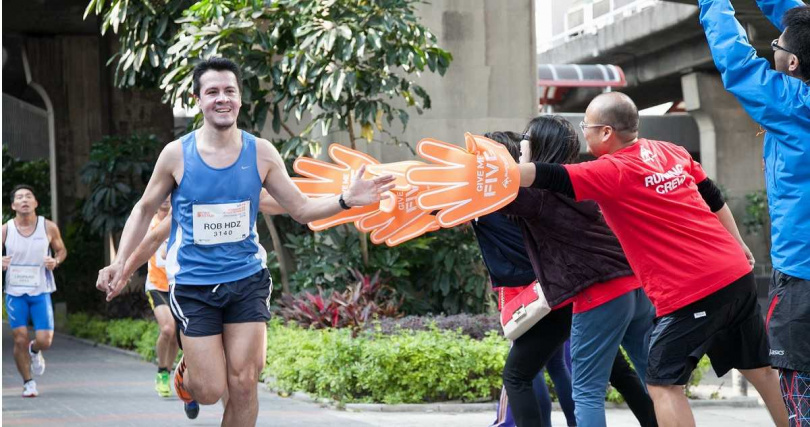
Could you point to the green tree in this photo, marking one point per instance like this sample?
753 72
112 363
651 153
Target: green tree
116 174
328 64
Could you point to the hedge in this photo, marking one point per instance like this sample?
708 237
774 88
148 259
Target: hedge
131 334
409 367
374 365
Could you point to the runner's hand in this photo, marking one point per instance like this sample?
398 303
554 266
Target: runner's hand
6 262
399 219
111 280
465 184
50 262
365 192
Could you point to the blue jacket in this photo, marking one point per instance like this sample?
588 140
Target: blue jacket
503 250
781 105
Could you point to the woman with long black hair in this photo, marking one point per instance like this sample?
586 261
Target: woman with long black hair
575 258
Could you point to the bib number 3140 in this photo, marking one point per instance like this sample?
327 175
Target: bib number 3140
219 223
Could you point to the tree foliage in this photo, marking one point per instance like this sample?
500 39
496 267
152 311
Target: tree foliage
342 62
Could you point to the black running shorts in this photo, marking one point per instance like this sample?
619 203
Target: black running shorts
201 310
788 322
157 298
727 325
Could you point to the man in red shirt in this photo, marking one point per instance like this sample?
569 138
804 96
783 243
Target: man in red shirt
681 241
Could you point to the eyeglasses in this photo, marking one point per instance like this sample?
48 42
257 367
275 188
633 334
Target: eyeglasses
583 126
775 46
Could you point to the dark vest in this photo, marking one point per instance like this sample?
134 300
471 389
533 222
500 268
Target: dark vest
569 244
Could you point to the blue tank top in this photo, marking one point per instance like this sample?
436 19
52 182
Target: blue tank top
213 238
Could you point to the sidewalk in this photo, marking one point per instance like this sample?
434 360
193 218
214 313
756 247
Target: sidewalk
91 386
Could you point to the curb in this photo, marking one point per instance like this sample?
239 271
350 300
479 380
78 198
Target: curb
90 343
458 407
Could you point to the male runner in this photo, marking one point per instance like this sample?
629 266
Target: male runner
28 240
779 100
152 250
219 283
157 291
681 240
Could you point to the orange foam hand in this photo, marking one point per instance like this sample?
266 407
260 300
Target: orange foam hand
464 184
324 179
399 218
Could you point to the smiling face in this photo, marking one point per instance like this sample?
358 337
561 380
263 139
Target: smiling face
219 98
24 202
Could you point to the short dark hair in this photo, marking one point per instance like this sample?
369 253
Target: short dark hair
21 187
510 140
797 37
216 64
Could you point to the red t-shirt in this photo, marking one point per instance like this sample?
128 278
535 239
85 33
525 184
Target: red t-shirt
600 293
677 247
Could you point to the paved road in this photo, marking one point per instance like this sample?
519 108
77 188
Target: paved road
89 386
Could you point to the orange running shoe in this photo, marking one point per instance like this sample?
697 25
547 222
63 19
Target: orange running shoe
190 406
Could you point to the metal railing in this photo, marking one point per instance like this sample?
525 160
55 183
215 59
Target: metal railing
592 16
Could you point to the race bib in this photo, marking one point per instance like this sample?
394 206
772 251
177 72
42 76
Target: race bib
219 223
24 276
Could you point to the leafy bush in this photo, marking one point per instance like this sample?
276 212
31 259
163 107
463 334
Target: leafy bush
36 173
475 326
145 346
84 326
116 174
756 211
131 334
125 333
409 367
76 277
369 298
440 273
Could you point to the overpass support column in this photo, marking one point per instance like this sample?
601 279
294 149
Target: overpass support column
730 149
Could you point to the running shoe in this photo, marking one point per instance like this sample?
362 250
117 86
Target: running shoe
192 409
189 404
30 389
37 361
162 384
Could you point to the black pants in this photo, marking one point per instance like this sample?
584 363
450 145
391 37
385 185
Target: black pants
529 354
624 379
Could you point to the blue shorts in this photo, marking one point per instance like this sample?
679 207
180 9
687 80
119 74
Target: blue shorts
37 308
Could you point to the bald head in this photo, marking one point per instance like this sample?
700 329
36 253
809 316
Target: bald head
616 110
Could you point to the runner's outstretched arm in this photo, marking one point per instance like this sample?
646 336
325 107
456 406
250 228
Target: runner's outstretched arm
360 192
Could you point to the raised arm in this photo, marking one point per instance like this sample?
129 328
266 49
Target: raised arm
775 9
766 95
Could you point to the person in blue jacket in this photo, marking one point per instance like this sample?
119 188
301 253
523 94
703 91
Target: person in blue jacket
779 100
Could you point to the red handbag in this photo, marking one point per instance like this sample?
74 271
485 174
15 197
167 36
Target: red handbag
523 311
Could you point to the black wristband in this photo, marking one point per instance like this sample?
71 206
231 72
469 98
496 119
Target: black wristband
343 203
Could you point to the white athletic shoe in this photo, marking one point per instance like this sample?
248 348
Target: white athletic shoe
30 389
37 361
